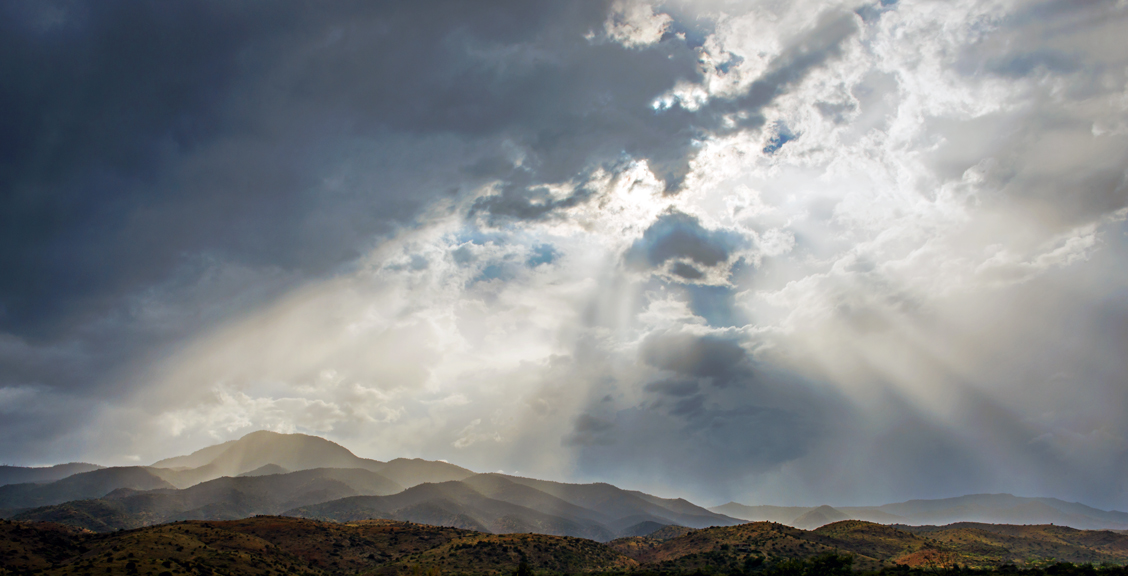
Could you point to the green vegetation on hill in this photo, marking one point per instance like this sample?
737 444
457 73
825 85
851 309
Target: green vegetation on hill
273 545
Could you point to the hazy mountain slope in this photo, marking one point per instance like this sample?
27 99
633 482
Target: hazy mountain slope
290 451
221 499
627 508
1005 509
505 504
870 514
781 514
201 457
267 470
819 516
40 475
501 487
987 508
93 484
687 510
258 451
641 529
1111 516
411 472
453 504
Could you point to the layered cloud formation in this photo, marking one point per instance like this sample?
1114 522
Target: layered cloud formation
797 252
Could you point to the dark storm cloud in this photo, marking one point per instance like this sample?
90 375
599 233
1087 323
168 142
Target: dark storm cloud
624 125
677 235
588 430
136 132
676 388
720 359
712 440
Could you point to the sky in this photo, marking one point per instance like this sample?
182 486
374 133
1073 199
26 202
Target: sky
801 252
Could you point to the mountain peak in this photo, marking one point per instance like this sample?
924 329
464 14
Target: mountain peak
289 451
819 516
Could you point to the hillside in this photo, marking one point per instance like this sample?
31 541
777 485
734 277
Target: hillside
736 547
1030 542
272 545
267 545
875 545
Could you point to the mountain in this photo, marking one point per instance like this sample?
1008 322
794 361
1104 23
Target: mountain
819 517
780 514
93 484
505 504
1006 509
450 504
985 508
21 475
224 498
265 452
414 471
266 470
624 508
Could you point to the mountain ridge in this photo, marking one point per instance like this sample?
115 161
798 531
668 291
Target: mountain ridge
266 472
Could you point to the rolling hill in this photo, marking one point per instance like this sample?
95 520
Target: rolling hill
267 545
272 545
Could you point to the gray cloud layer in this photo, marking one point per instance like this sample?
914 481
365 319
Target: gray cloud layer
816 252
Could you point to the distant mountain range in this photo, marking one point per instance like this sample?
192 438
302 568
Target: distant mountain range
982 508
20 475
299 475
310 477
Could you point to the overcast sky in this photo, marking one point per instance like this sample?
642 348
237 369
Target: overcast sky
776 252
